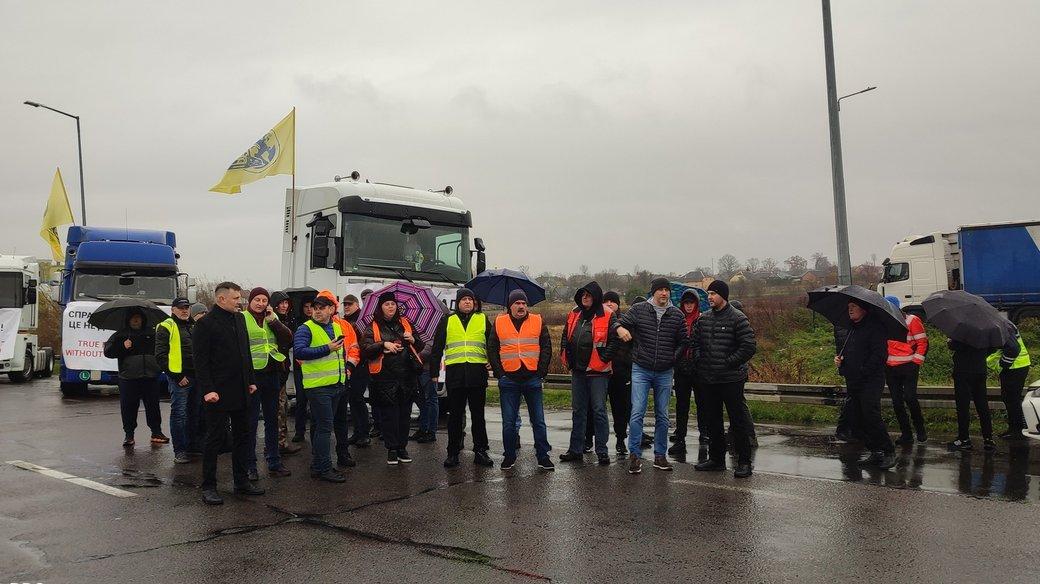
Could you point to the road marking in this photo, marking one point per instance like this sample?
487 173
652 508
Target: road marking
737 489
57 474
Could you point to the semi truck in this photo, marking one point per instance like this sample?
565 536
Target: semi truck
103 264
997 261
21 356
352 235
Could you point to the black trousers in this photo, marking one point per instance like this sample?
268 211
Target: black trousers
394 411
216 428
1012 382
902 384
619 392
685 385
968 388
715 396
864 414
458 399
131 393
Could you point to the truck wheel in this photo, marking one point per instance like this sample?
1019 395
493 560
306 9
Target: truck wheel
72 389
48 369
26 373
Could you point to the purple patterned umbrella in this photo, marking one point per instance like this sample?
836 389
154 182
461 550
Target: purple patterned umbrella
418 304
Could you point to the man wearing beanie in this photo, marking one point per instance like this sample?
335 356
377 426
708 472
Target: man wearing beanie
723 342
658 333
462 339
266 333
519 350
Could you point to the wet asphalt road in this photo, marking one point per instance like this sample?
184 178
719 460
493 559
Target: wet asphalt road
807 515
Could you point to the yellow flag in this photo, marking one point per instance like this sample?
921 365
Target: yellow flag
58 212
273 154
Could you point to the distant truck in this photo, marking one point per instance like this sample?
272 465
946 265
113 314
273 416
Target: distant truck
103 264
21 356
999 262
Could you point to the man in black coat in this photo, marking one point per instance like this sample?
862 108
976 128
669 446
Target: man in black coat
861 361
224 374
723 343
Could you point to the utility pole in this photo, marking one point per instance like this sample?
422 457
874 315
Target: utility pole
841 220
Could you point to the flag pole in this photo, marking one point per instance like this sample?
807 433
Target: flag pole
292 199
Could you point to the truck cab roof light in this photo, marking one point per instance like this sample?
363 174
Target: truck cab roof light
354 175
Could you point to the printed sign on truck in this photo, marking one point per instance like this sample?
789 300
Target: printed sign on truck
10 318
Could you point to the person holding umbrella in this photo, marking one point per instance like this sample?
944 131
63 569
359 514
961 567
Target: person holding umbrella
133 345
392 350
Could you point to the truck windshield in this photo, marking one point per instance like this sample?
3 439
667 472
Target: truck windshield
109 286
896 272
11 292
375 246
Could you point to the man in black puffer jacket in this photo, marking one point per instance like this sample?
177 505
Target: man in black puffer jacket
659 333
723 343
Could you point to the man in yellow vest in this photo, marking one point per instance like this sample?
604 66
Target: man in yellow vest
173 353
265 333
519 350
1014 369
462 340
319 345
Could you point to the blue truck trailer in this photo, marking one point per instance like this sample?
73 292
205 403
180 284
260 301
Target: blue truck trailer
997 261
103 264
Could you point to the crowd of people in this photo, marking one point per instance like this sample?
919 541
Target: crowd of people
227 365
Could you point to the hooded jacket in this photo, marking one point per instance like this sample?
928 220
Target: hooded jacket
685 365
137 362
579 346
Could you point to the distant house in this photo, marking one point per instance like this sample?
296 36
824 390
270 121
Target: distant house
694 276
816 278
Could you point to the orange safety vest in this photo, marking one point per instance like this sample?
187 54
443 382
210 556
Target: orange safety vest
351 349
519 346
600 331
376 365
915 347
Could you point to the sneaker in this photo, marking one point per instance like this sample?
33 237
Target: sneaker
427 438
959 444
621 448
211 497
873 458
253 475
743 470
661 463
181 458
570 457
710 465
888 460
128 442
417 435
297 438
402 455
481 458
545 464
160 438
635 464
989 445
329 476
289 449
391 457
587 448
1012 435
363 443
451 461
279 471
677 449
602 459
507 463
248 489
345 462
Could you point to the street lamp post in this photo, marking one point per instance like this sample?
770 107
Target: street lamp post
79 147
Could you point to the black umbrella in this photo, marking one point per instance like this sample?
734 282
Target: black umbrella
833 303
494 286
968 318
112 314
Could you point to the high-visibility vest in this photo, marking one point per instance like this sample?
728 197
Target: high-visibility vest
175 358
915 347
466 345
350 341
327 370
600 331
1020 362
518 347
376 365
262 345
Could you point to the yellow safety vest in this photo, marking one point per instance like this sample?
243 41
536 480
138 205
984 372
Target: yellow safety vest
327 370
176 361
262 345
466 345
1020 362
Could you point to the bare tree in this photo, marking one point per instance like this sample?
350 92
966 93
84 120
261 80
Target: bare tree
820 261
583 270
769 265
728 265
753 264
525 269
796 263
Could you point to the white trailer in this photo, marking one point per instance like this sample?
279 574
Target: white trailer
21 356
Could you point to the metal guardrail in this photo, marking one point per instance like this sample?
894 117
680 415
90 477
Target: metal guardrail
830 395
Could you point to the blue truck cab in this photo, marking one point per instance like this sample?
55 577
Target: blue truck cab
102 264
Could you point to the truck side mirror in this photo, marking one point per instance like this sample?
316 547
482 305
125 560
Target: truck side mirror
30 293
481 256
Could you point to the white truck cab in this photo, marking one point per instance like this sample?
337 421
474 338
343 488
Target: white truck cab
918 266
21 356
352 235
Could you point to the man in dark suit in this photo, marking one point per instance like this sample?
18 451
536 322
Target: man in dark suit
224 375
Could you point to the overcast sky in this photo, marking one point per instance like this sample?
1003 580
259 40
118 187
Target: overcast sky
611 134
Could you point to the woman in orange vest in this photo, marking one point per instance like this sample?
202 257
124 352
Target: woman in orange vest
587 347
392 351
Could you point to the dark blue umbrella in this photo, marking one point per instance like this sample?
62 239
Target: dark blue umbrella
494 286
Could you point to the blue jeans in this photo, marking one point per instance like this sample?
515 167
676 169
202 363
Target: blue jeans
429 406
265 398
509 395
643 380
586 390
322 402
185 411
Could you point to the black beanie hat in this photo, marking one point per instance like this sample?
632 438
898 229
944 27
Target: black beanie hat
612 296
721 288
385 296
658 283
517 294
464 293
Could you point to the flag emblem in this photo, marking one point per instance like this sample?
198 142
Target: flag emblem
259 156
